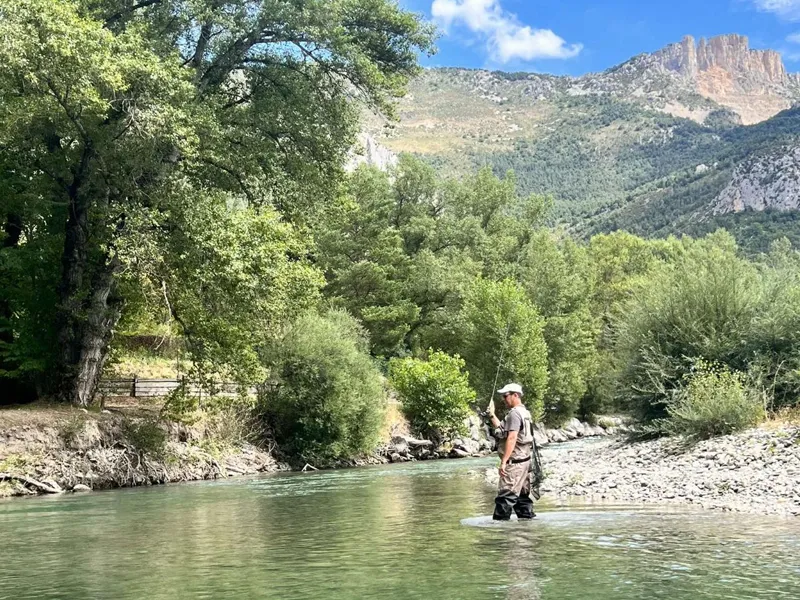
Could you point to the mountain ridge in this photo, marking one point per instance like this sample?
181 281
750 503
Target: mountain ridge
648 145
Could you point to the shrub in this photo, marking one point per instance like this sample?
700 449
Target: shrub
147 435
329 399
435 393
714 401
703 306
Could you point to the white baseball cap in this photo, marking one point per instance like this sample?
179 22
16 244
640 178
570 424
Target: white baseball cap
511 388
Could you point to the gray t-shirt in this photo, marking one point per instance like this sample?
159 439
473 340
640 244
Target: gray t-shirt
513 422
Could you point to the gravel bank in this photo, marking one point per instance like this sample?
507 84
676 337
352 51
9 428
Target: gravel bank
757 471
51 452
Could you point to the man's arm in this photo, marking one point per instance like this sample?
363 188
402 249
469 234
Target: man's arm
511 441
495 421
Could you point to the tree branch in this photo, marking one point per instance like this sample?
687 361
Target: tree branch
118 16
236 176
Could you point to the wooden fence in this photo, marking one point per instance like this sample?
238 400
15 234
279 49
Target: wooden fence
158 388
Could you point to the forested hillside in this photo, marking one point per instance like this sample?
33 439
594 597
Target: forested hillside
646 146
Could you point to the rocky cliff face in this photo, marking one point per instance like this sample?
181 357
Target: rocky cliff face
730 53
768 181
369 151
753 83
693 79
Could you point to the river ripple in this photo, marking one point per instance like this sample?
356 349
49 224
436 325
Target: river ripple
400 531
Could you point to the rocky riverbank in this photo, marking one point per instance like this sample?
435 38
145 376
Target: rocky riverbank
57 450
54 449
757 471
478 440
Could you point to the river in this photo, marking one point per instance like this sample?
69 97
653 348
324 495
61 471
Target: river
400 531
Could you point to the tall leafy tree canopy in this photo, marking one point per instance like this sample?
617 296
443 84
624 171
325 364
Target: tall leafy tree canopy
175 151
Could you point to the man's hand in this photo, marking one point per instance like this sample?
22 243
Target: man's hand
511 441
492 416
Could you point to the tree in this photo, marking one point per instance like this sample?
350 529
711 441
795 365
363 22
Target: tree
114 113
404 247
362 256
556 276
499 334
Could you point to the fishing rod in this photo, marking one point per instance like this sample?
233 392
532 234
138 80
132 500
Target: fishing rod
536 473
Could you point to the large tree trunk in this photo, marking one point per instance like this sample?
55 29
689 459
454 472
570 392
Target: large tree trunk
88 310
102 314
70 317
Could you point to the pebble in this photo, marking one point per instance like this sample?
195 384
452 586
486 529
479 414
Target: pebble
754 471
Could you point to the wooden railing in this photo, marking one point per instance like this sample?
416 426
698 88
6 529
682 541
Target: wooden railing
158 388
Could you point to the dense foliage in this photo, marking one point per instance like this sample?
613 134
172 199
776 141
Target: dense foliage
710 304
327 399
172 152
617 323
179 166
435 393
500 336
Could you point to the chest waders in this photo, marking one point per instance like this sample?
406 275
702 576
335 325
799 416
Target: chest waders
515 487
536 471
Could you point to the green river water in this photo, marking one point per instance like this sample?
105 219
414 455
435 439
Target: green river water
399 531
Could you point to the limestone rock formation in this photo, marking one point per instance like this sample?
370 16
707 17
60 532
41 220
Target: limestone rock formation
369 151
766 181
730 53
753 83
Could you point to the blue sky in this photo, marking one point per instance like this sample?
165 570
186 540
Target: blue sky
572 37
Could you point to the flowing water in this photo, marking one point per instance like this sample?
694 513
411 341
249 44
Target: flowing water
400 531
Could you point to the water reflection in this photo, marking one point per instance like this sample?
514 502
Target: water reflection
390 532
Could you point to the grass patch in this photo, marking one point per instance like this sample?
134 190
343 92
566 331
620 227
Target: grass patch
785 416
143 365
146 435
14 463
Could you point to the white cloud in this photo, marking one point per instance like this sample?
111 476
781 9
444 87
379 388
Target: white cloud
506 37
788 9
793 38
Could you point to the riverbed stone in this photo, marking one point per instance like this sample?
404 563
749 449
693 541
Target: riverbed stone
540 438
711 473
459 453
575 425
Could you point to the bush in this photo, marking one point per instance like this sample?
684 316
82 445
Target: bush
714 401
435 393
329 399
702 306
147 435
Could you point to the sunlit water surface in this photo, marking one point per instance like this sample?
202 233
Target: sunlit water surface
400 531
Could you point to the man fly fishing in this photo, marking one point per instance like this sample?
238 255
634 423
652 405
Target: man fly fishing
519 459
